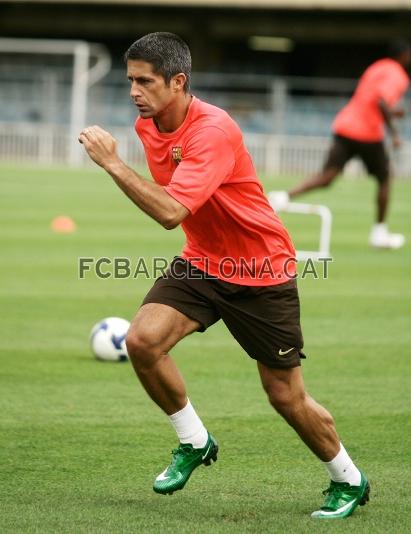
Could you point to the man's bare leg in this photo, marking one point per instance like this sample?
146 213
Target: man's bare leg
383 196
380 237
153 332
322 179
312 422
280 199
315 426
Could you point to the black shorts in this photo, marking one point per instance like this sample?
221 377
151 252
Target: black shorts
374 156
265 320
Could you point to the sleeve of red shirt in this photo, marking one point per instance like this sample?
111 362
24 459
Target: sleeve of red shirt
207 160
392 87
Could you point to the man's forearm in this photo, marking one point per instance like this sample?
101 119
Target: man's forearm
388 118
148 196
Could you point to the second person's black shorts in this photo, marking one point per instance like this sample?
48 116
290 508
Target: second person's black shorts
373 155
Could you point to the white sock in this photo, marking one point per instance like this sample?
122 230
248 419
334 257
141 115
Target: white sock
342 469
380 227
189 427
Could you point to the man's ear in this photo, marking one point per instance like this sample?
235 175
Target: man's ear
178 82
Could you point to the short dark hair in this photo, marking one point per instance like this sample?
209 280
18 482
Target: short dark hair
398 47
167 53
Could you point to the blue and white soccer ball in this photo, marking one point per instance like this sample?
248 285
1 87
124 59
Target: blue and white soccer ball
108 339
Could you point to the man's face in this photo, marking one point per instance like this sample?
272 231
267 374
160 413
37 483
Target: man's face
148 91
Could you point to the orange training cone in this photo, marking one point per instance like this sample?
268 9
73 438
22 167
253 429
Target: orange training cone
63 225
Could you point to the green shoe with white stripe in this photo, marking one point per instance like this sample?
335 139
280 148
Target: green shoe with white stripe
342 499
185 459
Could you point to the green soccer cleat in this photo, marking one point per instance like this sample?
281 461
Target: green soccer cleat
185 460
342 499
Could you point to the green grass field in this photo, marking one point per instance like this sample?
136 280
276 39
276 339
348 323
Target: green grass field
81 442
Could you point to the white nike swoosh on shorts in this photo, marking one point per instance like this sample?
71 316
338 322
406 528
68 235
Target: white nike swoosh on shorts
282 352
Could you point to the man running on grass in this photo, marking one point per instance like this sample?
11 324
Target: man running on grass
238 265
359 131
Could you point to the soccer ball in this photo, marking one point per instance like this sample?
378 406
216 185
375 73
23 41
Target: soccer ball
107 339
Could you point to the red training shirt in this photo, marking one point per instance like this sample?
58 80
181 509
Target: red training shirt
361 119
232 232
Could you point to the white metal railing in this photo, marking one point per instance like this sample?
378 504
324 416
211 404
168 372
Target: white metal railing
48 144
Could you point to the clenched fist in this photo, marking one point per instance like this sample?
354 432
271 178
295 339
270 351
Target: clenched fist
100 145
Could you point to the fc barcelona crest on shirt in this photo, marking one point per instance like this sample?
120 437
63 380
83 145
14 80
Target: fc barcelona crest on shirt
177 154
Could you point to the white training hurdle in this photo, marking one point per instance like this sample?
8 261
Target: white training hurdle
325 215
